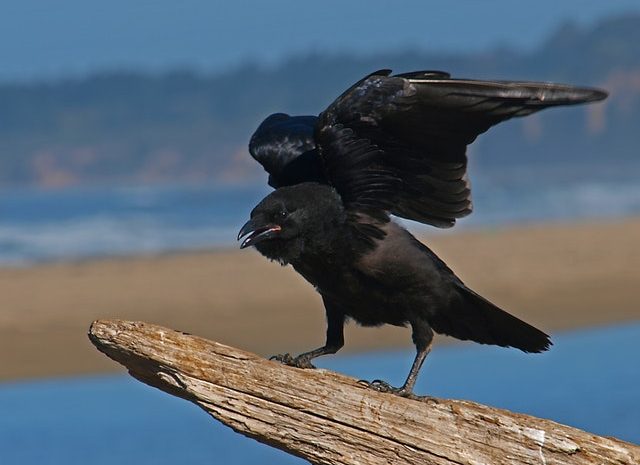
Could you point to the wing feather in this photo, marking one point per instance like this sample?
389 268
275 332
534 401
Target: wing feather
285 146
420 124
396 144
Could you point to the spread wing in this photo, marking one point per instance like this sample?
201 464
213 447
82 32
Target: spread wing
397 144
418 126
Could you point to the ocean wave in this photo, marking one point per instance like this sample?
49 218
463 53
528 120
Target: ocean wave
517 204
40 226
23 244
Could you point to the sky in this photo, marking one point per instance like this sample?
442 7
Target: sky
41 40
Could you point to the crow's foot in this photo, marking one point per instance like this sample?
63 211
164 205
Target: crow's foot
298 362
383 386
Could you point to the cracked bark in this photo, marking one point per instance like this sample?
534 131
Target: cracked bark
327 418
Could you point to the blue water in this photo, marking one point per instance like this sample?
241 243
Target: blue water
77 223
590 380
42 225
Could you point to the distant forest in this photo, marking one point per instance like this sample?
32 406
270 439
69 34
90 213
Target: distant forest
184 126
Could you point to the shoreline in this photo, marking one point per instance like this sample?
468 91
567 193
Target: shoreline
555 276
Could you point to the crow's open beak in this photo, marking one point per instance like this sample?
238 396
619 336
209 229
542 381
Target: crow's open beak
256 233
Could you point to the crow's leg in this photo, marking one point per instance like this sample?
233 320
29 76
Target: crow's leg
423 339
334 342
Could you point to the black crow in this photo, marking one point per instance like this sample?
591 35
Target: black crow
389 145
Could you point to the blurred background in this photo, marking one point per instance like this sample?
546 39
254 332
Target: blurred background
125 175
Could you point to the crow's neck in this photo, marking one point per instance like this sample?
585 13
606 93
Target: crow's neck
335 255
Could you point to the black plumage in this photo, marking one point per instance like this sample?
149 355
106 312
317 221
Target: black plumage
389 145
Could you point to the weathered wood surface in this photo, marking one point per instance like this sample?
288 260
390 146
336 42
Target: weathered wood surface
328 418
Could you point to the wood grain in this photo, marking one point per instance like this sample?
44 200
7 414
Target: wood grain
328 418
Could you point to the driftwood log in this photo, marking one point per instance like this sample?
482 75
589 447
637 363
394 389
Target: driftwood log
328 418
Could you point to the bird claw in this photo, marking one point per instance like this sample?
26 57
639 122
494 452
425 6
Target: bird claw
282 358
287 359
383 386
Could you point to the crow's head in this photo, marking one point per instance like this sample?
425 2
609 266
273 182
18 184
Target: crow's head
293 220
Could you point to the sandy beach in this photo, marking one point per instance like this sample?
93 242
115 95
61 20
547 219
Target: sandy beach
557 277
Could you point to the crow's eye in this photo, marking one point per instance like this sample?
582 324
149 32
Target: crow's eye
283 214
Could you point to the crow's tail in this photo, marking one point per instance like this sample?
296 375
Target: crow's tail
472 317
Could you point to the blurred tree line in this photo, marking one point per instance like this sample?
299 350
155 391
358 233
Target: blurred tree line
124 127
